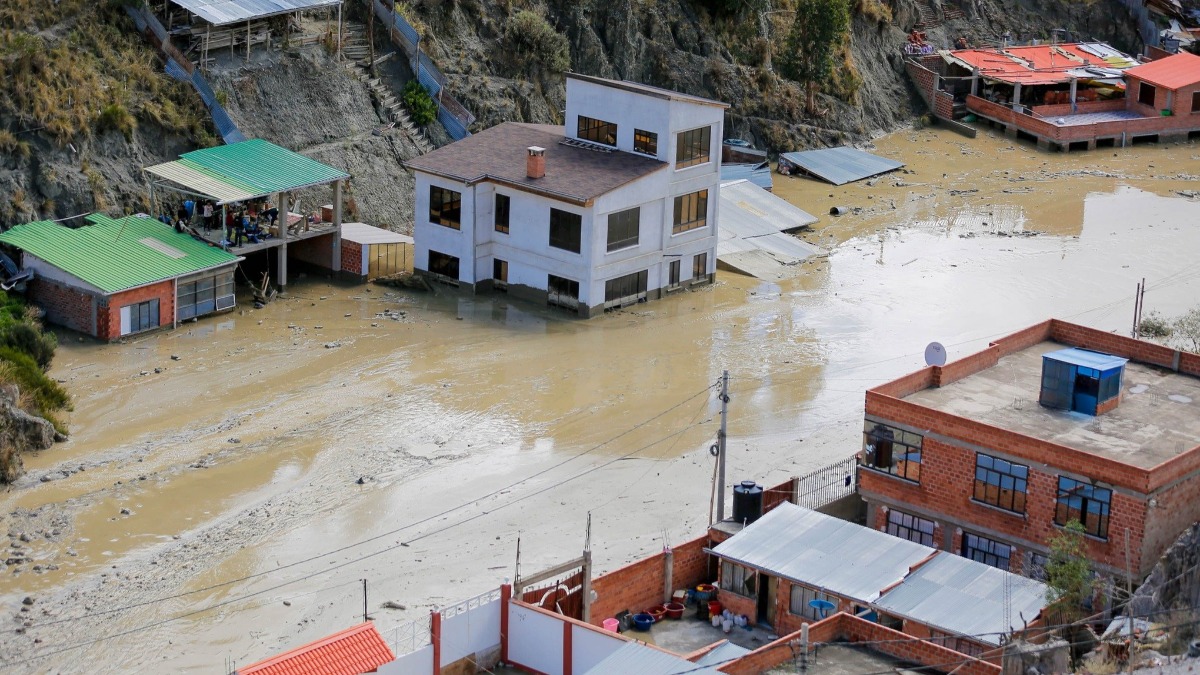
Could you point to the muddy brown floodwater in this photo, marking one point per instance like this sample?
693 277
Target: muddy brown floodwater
351 432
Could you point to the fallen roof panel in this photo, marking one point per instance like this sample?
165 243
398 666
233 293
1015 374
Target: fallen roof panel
759 174
753 235
840 165
222 12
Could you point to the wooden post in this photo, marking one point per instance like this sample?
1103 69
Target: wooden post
339 40
247 42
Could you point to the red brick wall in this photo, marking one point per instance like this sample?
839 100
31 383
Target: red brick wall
1178 123
947 476
108 316
640 585
846 627
1081 107
316 251
940 103
63 305
352 258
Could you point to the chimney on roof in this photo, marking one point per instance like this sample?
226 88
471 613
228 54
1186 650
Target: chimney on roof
535 163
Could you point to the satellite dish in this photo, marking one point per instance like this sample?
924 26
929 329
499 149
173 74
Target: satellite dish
935 354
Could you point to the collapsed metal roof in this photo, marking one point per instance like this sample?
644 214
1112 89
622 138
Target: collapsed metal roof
840 165
222 12
753 235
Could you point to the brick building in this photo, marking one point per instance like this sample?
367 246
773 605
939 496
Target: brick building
111 278
989 456
1068 96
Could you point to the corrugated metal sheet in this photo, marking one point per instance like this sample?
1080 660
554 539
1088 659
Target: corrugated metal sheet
246 170
751 238
1087 359
1173 72
841 165
960 596
823 552
634 657
759 174
203 182
221 12
722 655
362 233
110 254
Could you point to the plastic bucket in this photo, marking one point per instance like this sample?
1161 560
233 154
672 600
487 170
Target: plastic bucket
611 625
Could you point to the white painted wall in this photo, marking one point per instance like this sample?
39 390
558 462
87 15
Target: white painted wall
526 246
471 632
419 662
589 647
535 640
429 236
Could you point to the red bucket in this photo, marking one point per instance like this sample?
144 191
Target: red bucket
674 610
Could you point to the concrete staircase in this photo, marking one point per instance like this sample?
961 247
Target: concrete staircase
953 13
389 102
929 15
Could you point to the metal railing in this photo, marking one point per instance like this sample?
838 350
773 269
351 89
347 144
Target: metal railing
452 114
828 484
409 636
470 604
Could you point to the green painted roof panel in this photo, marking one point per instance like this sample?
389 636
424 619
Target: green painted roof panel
261 167
117 254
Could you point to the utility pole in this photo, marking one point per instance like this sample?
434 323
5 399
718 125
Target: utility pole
721 446
365 617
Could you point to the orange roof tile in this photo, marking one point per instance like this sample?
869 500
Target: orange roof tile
1173 72
356 650
1029 64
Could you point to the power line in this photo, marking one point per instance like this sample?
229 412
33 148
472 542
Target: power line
359 558
384 534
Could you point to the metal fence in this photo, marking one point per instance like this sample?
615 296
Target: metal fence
828 484
409 636
181 69
452 114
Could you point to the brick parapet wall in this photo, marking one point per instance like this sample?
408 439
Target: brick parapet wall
1081 107
877 638
1153 123
640 585
65 306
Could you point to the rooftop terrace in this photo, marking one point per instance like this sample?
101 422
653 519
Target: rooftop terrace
1157 419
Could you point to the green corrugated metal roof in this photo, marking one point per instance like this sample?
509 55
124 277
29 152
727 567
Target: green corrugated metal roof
114 255
254 168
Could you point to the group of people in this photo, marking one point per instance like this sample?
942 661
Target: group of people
248 223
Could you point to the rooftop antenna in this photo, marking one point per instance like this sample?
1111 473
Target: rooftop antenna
935 354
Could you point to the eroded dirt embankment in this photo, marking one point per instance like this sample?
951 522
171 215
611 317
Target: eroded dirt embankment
260 447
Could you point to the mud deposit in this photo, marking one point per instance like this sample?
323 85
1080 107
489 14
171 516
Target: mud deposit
184 525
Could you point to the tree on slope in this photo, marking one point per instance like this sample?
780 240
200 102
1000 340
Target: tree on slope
818 30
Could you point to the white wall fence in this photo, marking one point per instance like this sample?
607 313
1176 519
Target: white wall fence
475 631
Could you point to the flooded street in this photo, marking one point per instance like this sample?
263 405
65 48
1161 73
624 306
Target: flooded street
284 454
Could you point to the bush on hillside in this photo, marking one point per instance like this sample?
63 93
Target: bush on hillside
534 40
421 106
25 352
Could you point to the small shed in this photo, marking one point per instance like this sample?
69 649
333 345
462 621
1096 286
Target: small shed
370 252
112 278
1167 86
1081 380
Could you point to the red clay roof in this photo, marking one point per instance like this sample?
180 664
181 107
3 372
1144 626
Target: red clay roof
356 650
1029 64
1173 72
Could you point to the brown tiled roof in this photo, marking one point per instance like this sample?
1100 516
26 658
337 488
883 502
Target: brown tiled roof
572 173
647 90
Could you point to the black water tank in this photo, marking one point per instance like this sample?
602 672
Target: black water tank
747 502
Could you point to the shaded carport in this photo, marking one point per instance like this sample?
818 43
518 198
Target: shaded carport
250 170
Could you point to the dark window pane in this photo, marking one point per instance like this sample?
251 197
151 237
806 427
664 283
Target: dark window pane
445 207
623 229
565 230
691 147
645 142
597 131
502 206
